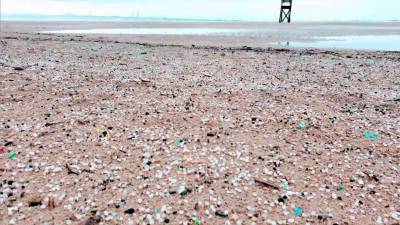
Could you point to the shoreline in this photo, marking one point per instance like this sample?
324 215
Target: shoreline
269 36
149 42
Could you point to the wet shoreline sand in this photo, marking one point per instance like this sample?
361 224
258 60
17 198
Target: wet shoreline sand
262 35
121 131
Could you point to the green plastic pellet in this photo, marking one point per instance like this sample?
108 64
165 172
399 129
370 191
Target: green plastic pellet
302 126
285 186
12 155
340 187
197 222
370 135
179 143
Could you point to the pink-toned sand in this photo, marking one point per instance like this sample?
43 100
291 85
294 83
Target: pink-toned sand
112 132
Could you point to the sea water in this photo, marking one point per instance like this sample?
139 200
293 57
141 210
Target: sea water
368 42
360 42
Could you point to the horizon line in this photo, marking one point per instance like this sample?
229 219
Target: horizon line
13 17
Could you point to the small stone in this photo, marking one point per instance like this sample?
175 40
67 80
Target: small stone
395 215
3 149
35 200
221 213
94 220
235 217
379 220
198 206
334 196
183 191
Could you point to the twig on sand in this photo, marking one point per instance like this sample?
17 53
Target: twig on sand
144 80
52 124
123 151
266 184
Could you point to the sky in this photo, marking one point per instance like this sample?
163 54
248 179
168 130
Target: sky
251 10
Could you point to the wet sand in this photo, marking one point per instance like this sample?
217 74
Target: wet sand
107 130
271 34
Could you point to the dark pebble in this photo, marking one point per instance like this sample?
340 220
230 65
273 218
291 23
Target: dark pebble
93 220
282 199
130 211
35 203
185 192
18 68
210 135
208 181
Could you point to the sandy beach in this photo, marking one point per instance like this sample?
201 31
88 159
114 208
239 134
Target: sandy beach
113 129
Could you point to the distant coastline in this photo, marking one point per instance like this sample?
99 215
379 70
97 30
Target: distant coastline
73 17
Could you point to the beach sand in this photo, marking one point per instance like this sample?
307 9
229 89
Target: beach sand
113 130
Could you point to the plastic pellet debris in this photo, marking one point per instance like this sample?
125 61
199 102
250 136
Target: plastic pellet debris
12 155
180 143
370 135
285 186
298 211
193 135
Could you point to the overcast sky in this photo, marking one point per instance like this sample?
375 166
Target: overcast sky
263 10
